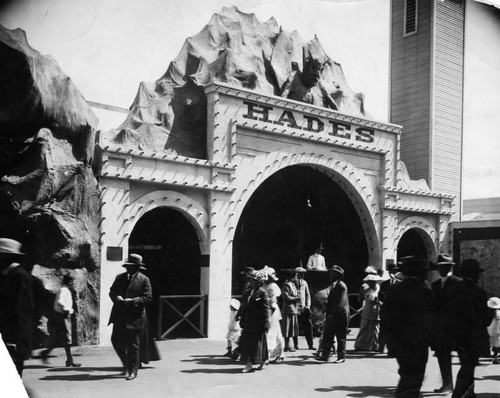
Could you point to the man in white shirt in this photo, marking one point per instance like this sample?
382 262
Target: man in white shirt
316 261
61 322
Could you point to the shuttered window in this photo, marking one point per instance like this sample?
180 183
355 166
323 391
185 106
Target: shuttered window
411 13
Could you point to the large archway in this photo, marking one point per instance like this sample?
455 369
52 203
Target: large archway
289 214
170 247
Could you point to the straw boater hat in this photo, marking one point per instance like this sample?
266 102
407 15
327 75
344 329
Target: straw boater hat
371 270
300 270
270 272
234 304
260 276
374 278
494 302
133 259
10 246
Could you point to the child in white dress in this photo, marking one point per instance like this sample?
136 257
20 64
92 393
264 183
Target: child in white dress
494 328
233 330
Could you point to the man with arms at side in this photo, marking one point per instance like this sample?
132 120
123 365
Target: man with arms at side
467 321
337 316
440 342
407 317
130 292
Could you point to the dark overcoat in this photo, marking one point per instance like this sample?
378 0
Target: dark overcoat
406 315
467 316
337 305
255 312
132 313
440 339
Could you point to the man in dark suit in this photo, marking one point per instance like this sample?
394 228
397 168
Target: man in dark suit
467 319
440 342
407 315
130 292
17 305
392 269
337 316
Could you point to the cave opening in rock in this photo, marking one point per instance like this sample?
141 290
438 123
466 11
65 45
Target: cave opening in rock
289 215
170 248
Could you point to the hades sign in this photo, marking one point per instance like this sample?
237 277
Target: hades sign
314 124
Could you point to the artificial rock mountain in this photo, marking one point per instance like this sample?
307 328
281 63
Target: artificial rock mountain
49 197
235 48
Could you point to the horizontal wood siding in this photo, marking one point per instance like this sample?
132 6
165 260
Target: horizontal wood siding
448 100
410 87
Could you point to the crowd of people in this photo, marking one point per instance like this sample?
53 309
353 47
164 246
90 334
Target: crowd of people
403 313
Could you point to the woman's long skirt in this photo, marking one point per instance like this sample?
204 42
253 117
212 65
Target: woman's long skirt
367 339
253 347
275 341
290 325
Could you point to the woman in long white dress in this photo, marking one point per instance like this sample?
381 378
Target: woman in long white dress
367 339
275 341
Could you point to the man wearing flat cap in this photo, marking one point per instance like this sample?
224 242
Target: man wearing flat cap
337 316
406 316
440 342
17 304
130 292
468 317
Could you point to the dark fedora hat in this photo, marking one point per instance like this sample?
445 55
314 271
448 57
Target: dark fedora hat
133 259
246 270
471 266
444 259
10 246
338 269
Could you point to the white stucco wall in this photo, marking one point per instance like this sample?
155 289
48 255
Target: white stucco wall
481 99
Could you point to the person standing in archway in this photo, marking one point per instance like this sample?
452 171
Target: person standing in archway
130 292
304 306
316 260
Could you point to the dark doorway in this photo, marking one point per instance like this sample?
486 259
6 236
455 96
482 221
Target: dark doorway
412 244
169 245
289 215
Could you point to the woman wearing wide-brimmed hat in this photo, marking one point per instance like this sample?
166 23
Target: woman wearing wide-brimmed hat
367 339
275 342
254 320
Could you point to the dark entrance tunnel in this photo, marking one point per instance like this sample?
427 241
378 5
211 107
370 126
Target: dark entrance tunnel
169 245
278 228
412 244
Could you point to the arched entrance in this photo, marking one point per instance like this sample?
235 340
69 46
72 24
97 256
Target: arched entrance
288 215
414 242
169 244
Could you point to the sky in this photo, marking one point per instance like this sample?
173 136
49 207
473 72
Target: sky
108 47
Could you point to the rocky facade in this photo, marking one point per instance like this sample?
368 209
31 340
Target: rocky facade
49 196
169 115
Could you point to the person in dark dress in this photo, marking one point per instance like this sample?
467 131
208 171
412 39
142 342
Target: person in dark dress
441 342
467 319
254 320
407 317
